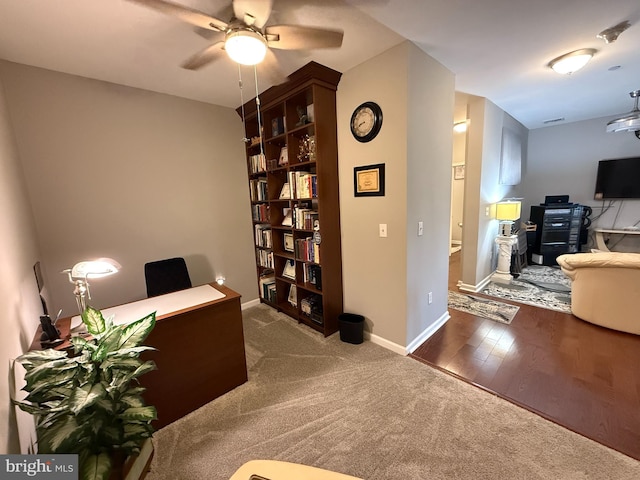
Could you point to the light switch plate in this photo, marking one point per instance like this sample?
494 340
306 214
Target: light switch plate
383 229
420 228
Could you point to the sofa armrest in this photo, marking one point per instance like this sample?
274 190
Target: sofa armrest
570 262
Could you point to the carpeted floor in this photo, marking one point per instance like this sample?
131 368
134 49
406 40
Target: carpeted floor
538 285
368 412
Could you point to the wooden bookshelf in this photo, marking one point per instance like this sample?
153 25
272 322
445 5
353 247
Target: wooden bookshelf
294 142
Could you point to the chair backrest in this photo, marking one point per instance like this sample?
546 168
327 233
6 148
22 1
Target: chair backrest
166 276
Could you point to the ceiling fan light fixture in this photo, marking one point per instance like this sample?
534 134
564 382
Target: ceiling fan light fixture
245 46
630 122
572 62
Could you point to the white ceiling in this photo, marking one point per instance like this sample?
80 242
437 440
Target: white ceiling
497 49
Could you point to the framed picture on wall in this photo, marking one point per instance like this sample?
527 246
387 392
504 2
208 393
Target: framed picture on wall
458 172
368 181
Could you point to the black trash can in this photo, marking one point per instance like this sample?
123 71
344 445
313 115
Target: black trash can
351 327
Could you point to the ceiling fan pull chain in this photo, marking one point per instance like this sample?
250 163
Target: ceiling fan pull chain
255 75
244 125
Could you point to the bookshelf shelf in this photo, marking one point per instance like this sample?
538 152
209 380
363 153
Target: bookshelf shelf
293 178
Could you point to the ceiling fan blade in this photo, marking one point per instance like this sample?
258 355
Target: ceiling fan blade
271 69
202 58
293 37
258 10
186 14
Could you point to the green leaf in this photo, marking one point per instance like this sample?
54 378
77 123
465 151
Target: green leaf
130 352
80 344
94 321
126 363
66 430
135 333
108 343
147 366
142 414
36 357
96 467
86 396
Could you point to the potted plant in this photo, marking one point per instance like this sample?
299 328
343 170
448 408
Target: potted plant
87 401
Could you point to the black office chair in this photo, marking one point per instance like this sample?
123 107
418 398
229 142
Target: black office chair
166 276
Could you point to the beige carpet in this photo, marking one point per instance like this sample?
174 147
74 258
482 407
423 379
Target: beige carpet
367 412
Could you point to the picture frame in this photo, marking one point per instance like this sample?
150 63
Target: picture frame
368 180
284 156
288 242
458 172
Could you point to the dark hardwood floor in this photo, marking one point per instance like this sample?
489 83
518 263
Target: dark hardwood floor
579 375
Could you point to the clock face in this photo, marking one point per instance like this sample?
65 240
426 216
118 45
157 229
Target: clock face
366 121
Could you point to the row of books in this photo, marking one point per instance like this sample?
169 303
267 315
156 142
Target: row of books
305 218
260 213
313 274
265 258
307 250
258 190
257 163
303 184
263 235
268 288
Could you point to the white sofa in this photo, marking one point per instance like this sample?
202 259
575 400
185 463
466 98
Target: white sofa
605 288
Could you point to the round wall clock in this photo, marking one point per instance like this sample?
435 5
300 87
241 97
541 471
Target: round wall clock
366 121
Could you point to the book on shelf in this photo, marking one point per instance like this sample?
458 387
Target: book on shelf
258 163
287 214
285 192
264 258
306 249
258 189
289 270
268 287
263 235
313 275
310 113
260 212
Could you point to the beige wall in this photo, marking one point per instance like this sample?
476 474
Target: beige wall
133 175
483 189
19 302
416 151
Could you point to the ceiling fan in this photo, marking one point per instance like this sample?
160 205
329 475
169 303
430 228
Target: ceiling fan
245 37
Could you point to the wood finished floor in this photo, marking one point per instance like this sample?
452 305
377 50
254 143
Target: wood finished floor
581 376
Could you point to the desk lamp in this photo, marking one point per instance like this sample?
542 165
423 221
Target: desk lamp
507 212
82 271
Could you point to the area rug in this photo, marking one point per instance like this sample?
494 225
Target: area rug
483 307
538 285
367 412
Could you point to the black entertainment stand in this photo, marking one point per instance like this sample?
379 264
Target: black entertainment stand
558 231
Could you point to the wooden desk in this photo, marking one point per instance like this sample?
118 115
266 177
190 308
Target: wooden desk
600 243
200 354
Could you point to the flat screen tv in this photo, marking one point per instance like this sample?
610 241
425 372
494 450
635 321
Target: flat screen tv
618 178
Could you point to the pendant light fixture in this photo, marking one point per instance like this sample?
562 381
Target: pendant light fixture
572 62
629 122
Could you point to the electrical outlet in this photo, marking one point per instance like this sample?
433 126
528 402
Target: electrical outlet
430 297
383 229
487 211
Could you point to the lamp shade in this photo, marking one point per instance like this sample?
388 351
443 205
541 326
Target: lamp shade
508 210
245 47
102 267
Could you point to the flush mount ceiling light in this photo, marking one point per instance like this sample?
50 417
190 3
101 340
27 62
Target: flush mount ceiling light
245 46
572 62
629 122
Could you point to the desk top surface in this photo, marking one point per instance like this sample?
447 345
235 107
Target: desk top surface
162 304
620 231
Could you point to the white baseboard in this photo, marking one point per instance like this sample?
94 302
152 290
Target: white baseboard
251 303
465 287
419 340
427 332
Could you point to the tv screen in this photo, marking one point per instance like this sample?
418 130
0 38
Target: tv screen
618 178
